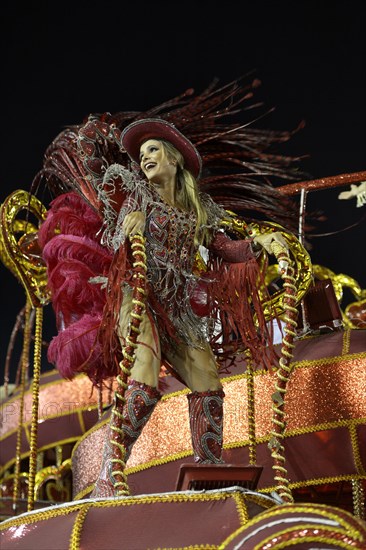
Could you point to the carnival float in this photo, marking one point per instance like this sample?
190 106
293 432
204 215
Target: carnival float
294 435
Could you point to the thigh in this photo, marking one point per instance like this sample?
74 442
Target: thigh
147 362
197 367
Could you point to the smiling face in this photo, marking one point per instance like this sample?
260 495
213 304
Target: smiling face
155 163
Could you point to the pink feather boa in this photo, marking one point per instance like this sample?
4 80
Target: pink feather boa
73 255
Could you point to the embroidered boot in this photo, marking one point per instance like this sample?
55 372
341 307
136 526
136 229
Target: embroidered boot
141 400
206 422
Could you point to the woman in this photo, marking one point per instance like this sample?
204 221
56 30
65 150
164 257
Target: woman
183 308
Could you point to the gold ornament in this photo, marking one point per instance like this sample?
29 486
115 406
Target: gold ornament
301 263
19 249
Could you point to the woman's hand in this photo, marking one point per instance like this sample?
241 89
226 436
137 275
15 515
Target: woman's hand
134 223
267 239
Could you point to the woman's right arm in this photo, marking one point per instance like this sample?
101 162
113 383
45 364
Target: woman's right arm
127 216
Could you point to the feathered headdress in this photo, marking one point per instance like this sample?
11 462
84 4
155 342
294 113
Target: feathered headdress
240 165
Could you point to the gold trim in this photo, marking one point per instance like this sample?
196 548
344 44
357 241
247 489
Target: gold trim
81 494
317 481
322 511
348 423
358 498
346 341
343 423
86 408
33 445
36 516
44 448
81 421
241 500
58 510
306 539
51 472
158 462
15 396
194 547
224 380
304 363
26 432
75 538
356 449
328 360
169 497
178 393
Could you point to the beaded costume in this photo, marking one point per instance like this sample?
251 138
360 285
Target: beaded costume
83 245
190 300
176 297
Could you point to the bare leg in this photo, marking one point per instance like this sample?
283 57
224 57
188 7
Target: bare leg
147 363
141 398
197 367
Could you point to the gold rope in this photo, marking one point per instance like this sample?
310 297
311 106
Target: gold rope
283 374
358 495
35 405
75 538
251 411
138 308
24 368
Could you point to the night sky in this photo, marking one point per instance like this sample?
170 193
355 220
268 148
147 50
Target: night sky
62 61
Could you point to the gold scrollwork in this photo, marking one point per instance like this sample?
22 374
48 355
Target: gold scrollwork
19 249
54 480
303 273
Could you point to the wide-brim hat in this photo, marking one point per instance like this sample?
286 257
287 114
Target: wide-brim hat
136 133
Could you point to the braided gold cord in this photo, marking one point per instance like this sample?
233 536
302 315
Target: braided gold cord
35 405
358 495
128 352
283 374
75 538
24 368
251 412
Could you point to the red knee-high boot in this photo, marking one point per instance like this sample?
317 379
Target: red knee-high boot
206 422
140 401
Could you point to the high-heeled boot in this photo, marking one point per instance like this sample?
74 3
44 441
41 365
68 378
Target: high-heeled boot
206 422
140 401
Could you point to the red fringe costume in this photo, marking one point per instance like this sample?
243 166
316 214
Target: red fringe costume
88 259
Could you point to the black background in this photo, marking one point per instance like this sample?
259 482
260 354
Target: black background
63 60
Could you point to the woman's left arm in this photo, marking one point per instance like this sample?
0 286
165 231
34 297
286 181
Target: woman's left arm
245 249
232 251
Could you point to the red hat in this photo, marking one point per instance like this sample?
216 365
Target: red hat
136 133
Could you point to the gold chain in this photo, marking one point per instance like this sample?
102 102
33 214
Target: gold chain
24 368
35 405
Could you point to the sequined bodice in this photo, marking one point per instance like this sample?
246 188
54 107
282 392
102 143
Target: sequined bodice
170 252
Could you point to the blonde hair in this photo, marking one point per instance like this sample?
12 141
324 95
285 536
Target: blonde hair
188 194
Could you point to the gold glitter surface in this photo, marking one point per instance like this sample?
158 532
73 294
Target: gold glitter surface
326 393
317 394
57 398
166 433
235 410
87 459
322 392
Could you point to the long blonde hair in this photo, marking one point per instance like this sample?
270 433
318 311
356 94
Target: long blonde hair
188 194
